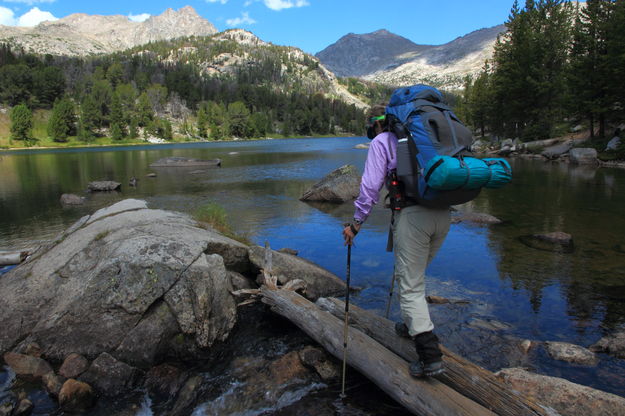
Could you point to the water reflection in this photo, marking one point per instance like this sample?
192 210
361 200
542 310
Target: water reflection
541 295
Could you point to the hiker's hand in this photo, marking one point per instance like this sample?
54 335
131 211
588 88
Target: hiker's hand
349 233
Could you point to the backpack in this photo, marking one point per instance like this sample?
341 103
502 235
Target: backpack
434 164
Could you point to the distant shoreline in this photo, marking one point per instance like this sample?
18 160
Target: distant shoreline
147 143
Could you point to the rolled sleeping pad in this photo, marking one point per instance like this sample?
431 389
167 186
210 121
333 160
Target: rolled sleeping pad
501 172
447 173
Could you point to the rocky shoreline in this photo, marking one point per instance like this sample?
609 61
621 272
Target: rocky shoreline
135 298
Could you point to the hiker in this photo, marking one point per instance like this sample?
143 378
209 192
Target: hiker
417 234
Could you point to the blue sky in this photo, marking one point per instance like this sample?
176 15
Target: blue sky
310 25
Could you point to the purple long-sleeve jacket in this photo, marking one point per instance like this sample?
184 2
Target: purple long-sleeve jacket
381 159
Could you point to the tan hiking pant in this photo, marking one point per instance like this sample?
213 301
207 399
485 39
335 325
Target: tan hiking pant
418 233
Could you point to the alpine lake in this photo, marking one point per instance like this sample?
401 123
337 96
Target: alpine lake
506 291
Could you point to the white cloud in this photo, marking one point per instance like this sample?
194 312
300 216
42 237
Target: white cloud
7 17
34 16
139 17
29 2
285 4
245 19
217 1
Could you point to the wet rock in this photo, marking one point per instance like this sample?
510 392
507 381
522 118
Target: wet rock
288 251
6 408
554 152
559 242
103 186
526 345
151 175
110 376
341 185
436 300
613 344
362 146
620 248
183 162
107 287
133 182
187 396
565 397
76 396
197 172
319 282
24 408
53 383
505 150
489 324
26 365
287 368
317 359
571 353
583 156
165 380
476 217
73 366
71 199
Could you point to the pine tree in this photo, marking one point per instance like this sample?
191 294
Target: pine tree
21 123
89 118
116 117
62 121
202 122
145 113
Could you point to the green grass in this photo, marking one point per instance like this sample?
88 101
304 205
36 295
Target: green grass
215 216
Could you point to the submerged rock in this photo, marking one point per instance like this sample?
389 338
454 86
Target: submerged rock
557 241
571 353
613 344
565 397
103 186
476 217
183 162
340 185
71 199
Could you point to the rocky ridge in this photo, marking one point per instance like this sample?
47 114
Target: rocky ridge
80 34
394 60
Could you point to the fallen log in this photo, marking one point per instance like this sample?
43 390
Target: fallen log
381 366
471 380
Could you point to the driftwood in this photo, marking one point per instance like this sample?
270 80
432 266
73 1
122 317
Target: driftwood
381 366
463 376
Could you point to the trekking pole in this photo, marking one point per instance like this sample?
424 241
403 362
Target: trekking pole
345 327
390 295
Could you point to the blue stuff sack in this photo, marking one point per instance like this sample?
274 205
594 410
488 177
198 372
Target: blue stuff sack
501 173
448 173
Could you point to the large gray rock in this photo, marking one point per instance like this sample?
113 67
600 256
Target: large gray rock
583 156
340 185
319 281
555 151
557 241
71 199
613 344
132 282
614 143
565 397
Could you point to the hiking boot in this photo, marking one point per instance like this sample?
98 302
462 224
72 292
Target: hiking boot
402 330
430 356
418 369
